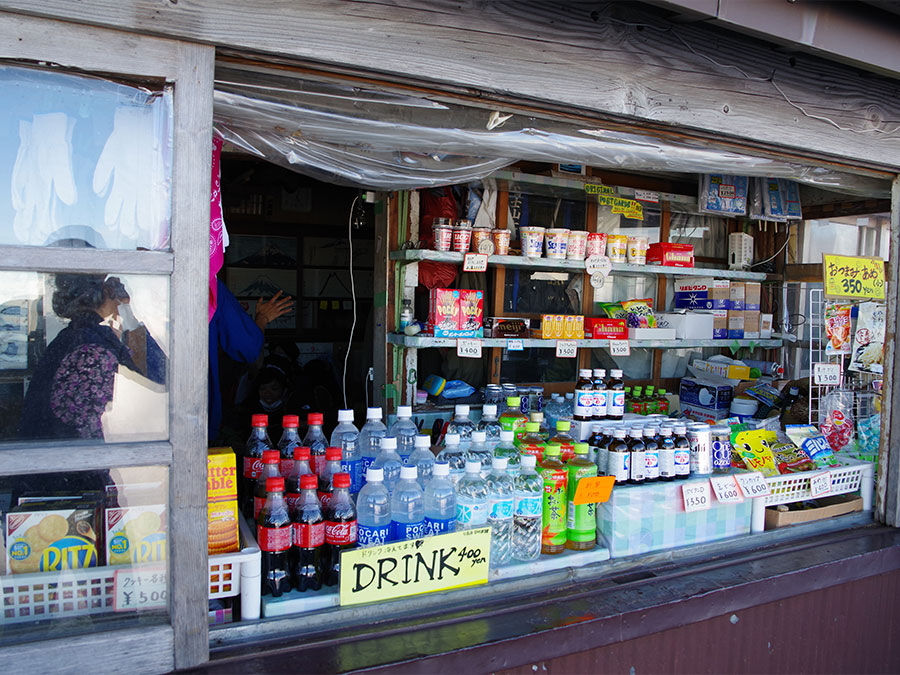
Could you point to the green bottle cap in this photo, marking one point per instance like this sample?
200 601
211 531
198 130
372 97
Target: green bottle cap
513 401
662 390
552 451
582 448
532 427
649 390
563 425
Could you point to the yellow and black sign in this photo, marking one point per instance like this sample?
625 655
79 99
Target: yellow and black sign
853 277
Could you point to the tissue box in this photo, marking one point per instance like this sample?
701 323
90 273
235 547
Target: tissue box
598 328
642 518
693 293
726 370
720 324
694 392
688 326
651 333
671 255
701 413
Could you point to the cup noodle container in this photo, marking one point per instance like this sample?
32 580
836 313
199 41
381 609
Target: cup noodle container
501 241
443 237
577 245
462 239
617 248
479 234
637 250
596 244
557 242
532 241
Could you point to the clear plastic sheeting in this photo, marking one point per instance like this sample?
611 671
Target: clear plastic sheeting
374 139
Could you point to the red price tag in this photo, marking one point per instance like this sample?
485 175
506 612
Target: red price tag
697 496
820 484
726 489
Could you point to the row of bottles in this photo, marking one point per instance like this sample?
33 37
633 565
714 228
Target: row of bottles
649 401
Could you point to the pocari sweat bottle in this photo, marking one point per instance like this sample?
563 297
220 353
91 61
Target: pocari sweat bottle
501 494
454 455
440 501
480 452
346 437
423 459
527 505
471 498
389 460
405 431
490 425
370 438
461 425
407 507
373 511
510 452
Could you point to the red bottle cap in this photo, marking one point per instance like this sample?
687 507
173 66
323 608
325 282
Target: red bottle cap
309 481
332 454
271 457
341 480
260 420
301 452
314 418
290 421
275 484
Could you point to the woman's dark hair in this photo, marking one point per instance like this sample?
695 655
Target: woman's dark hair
271 374
77 293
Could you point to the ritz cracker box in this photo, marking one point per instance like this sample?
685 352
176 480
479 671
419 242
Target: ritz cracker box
52 536
136 534
221 493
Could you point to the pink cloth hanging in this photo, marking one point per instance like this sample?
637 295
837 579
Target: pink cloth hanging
216 226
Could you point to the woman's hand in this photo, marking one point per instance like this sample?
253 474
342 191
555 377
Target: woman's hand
268 311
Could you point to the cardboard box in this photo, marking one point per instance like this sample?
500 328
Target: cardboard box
455 313
752 294
651 333
53 536
737 295
688 326
561 327
735 324
751 324
694 392
721 293
671 255
221 494
701 413
829 507
720 324
601 328
136 534
765 326
725 370
443 309
693 293
471 314
503 327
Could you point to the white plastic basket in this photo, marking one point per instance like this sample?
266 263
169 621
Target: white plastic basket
45 595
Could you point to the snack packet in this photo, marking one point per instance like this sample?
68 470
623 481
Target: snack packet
639 313
837 426
868 340
813 443
791 459
613 310
837 328
754 448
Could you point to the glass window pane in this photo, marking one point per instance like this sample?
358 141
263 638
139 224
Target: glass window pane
83 356
83 161
83 551
707 233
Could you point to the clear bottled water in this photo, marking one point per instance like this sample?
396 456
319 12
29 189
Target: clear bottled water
407 507
346 437
461 425
373 511
553 410
501 494
370 438
527 509
440 501
478 451
454 455
389 460
510 452
405 431
423 459
471 499
490 425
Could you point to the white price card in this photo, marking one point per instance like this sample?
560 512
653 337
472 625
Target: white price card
468 348
827 374
726 489
619 348
697 496
566 349
144 588
646 196
753 484
514 345
820 484
598 264
475 262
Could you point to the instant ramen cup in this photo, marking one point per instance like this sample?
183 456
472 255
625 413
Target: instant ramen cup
532 241
479 234
596 244
462 239
577 245
637 250
617 247
501 241
557 242
443 237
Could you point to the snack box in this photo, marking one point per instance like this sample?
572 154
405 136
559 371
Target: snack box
688 326
671 255
573 326
651 333
600 328
697 393
136 534
725 370
471 312
701 413
552 327
52 536
221 494
693 293
443 310
502 327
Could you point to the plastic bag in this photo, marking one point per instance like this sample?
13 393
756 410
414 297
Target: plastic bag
639 313
837 328
457 389
811 441
754 448
868 438
838 422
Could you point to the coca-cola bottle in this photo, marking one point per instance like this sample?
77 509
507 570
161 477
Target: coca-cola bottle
315 440
290 439
253 452
269 470
309 536
331 467
340 529
299 468
273 534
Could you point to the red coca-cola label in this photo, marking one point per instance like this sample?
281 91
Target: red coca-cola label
253 467
273 539
310 535
318 464
286 467
340 533
291 499
258 503
324 498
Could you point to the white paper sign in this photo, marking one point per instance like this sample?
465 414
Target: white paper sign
647 196
753 484
143 588
475 262
514 345
566 349
726 489
598 264
619 348
697 496
468 348
827 374
820 484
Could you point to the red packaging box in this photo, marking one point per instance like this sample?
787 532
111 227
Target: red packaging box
444 309
471 309
671 255
605 329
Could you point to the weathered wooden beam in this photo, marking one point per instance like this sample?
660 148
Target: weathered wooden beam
846 208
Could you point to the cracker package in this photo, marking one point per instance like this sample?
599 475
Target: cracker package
221 491
813 442
52 536
755 449
135 534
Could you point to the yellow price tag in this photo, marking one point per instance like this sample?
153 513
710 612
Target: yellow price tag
593 490
853 277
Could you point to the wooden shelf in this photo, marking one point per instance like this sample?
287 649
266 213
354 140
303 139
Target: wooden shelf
426 342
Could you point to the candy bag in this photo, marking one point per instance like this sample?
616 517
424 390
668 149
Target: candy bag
754 448
869 437
613 310
837 427
837 328
811 441
639 313
791 459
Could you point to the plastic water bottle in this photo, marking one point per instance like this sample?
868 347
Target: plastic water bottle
527 505
389 460
370 438
316 442
454 455
405 431
501 494
478 451
407 507
423 459
346 437
373 511
471 499
568 407
552 410
490 425
461 425
440 501
510 452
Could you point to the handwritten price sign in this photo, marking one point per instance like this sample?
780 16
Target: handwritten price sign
593 490
726 489
515 345
827 374
853 277
467 348
696 496
145 588
475 262
566 349
820 484
753 484
619 348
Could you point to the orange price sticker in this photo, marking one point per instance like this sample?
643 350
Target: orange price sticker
594 490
